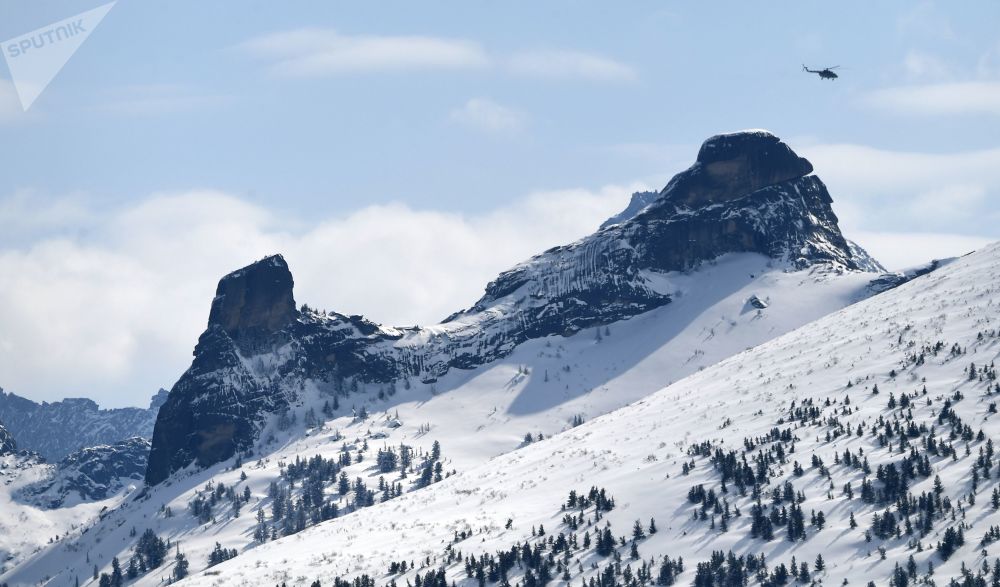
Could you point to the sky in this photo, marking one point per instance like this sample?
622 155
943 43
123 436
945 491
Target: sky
401 157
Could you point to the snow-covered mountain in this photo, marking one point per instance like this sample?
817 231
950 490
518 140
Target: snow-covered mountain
857 448
742 247
94 473
56 429
312 446
42 502
747 193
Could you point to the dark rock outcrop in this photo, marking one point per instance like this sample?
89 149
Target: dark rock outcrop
7 444
215 409
54 430
638 202
746 193
215 406
158 399
254 301
888 281
93 473
729 166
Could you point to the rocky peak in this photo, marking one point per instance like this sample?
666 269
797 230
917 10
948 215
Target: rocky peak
158 399
638 203
255 300
730 166
747 192
251 306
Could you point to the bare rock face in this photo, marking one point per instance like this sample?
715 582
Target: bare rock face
254 301
215 407
7 444
732 165
747 192
93 473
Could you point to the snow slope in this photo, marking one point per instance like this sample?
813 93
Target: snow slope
637 453
26 528
476 414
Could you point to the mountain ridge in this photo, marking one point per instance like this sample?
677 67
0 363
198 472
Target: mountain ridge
56 429
747 192
866 435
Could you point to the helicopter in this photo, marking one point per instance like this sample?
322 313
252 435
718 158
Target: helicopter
826 73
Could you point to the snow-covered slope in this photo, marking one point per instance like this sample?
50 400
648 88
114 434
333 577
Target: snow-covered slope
290 418
793 410
540 388
25 527
41 503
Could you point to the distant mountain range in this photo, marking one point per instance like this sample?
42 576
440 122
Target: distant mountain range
56 429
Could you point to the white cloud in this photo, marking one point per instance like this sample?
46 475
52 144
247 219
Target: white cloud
864 168
924 66
570 65
957 98
902 250
113 312
486 115
878 190
314 52
27 215
319 52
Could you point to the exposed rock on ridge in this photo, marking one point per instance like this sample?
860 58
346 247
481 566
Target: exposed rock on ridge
747 192
7 444
93 473
254 301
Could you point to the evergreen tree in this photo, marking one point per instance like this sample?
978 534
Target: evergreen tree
117 578
637 532
151 549
181 566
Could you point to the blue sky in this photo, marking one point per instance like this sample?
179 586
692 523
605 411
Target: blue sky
400 157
